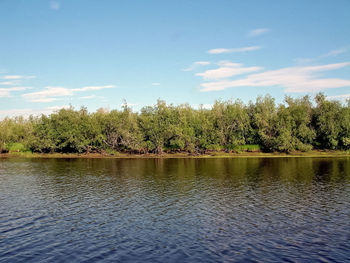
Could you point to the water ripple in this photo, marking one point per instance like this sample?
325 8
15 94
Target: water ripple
175 210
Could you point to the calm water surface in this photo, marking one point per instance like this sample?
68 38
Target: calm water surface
175 210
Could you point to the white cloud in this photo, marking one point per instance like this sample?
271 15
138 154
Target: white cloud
201 63
42 99
56 108
258 32
6 92
155 84
233 50
207 106
227 69
89 88
331 53
292 79
324 67
49 94
197 64
88 97
12 77
334 52
55 5
303 60
10 83
341 97
17 77
26 112
12 80
226 63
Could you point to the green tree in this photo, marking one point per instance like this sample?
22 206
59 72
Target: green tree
67 131
15 130
294 125
231 122
264 120
344 135
120 130
158 125
326 121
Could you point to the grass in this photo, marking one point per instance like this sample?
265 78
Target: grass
213 154
18 148
248 148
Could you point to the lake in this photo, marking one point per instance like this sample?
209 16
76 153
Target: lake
175 210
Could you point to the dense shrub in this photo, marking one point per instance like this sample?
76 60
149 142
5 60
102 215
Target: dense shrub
228 125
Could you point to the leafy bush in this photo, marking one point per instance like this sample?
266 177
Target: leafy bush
248 148
228 125
17 147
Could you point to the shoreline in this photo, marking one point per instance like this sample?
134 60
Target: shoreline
311 154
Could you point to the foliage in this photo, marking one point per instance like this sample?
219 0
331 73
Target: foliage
248 148
264 120
229 125
328 122
17 147
294 129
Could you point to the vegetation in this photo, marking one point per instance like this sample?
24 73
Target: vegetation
296 125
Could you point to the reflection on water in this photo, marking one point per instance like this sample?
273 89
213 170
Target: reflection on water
175 210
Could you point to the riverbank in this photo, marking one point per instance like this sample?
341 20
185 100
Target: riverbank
327 154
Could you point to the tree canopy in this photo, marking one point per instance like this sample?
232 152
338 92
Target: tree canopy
298 124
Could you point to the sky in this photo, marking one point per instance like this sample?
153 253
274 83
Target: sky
101 54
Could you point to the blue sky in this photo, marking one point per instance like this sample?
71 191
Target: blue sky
99 53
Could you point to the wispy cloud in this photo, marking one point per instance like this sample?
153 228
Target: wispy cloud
26 112
233 50
227 69
155 84
54 5
6 92
16 77
89 88
88 97
10 83
56 108
258 32
196 65
292 79
303 61
226 63
341 97
332 53
13 80
50 94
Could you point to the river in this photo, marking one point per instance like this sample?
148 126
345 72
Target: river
175 210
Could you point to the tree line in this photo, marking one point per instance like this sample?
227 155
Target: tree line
298 124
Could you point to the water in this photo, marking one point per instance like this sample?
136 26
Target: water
175 210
